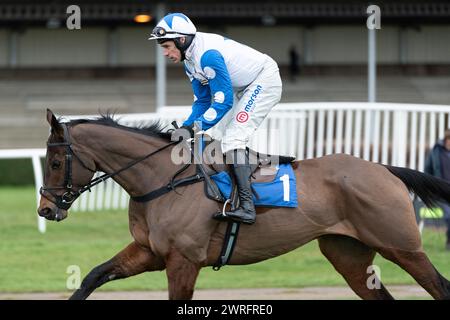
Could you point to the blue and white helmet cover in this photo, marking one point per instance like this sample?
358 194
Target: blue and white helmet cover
173 25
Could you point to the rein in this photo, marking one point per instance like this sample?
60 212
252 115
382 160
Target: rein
65 200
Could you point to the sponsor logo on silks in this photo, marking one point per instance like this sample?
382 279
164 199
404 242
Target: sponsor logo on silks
249 105
242 117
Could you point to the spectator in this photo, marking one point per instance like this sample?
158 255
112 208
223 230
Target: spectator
294 63
438 165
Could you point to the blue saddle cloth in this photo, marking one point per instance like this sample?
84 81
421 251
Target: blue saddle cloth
280 192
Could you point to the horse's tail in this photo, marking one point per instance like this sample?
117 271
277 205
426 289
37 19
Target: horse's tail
428 188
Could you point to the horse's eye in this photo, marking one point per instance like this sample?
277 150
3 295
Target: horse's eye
56 164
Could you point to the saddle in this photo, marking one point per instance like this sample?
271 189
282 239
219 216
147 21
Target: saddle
264 169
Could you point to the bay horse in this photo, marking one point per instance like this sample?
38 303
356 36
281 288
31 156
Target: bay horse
355 208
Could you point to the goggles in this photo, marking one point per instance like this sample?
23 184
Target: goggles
160 32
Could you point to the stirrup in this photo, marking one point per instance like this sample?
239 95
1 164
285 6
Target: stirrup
222 216
225 207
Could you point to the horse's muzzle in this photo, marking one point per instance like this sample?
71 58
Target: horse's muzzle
52 213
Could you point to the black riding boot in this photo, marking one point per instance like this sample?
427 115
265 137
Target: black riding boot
245 213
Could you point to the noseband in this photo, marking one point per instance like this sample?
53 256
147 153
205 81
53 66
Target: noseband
70 194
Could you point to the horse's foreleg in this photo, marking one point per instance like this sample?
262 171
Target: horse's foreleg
130 261
181 274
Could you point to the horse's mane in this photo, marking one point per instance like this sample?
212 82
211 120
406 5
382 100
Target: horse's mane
155 129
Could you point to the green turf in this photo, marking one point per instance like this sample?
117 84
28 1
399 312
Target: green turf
30 261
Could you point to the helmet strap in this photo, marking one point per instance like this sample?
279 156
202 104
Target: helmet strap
183 46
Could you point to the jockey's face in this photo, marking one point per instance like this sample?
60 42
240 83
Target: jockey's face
171 51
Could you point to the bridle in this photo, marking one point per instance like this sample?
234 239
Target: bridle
70 194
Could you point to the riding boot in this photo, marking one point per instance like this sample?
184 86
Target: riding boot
245 213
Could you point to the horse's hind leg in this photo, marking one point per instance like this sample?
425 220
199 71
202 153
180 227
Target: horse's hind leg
351 258
417 264
132 260
181 274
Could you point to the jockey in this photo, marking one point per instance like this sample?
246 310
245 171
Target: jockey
234 86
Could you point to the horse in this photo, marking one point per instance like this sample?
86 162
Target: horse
354 208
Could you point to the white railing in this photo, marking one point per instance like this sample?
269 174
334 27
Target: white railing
388 133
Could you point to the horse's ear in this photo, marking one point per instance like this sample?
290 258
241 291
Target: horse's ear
54 124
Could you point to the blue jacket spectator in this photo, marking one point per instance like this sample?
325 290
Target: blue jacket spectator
438 165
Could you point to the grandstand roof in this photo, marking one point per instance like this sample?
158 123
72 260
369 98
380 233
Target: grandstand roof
232 11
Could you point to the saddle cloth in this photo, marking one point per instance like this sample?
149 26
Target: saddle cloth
280 191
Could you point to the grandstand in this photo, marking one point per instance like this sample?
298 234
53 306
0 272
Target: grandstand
23 125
